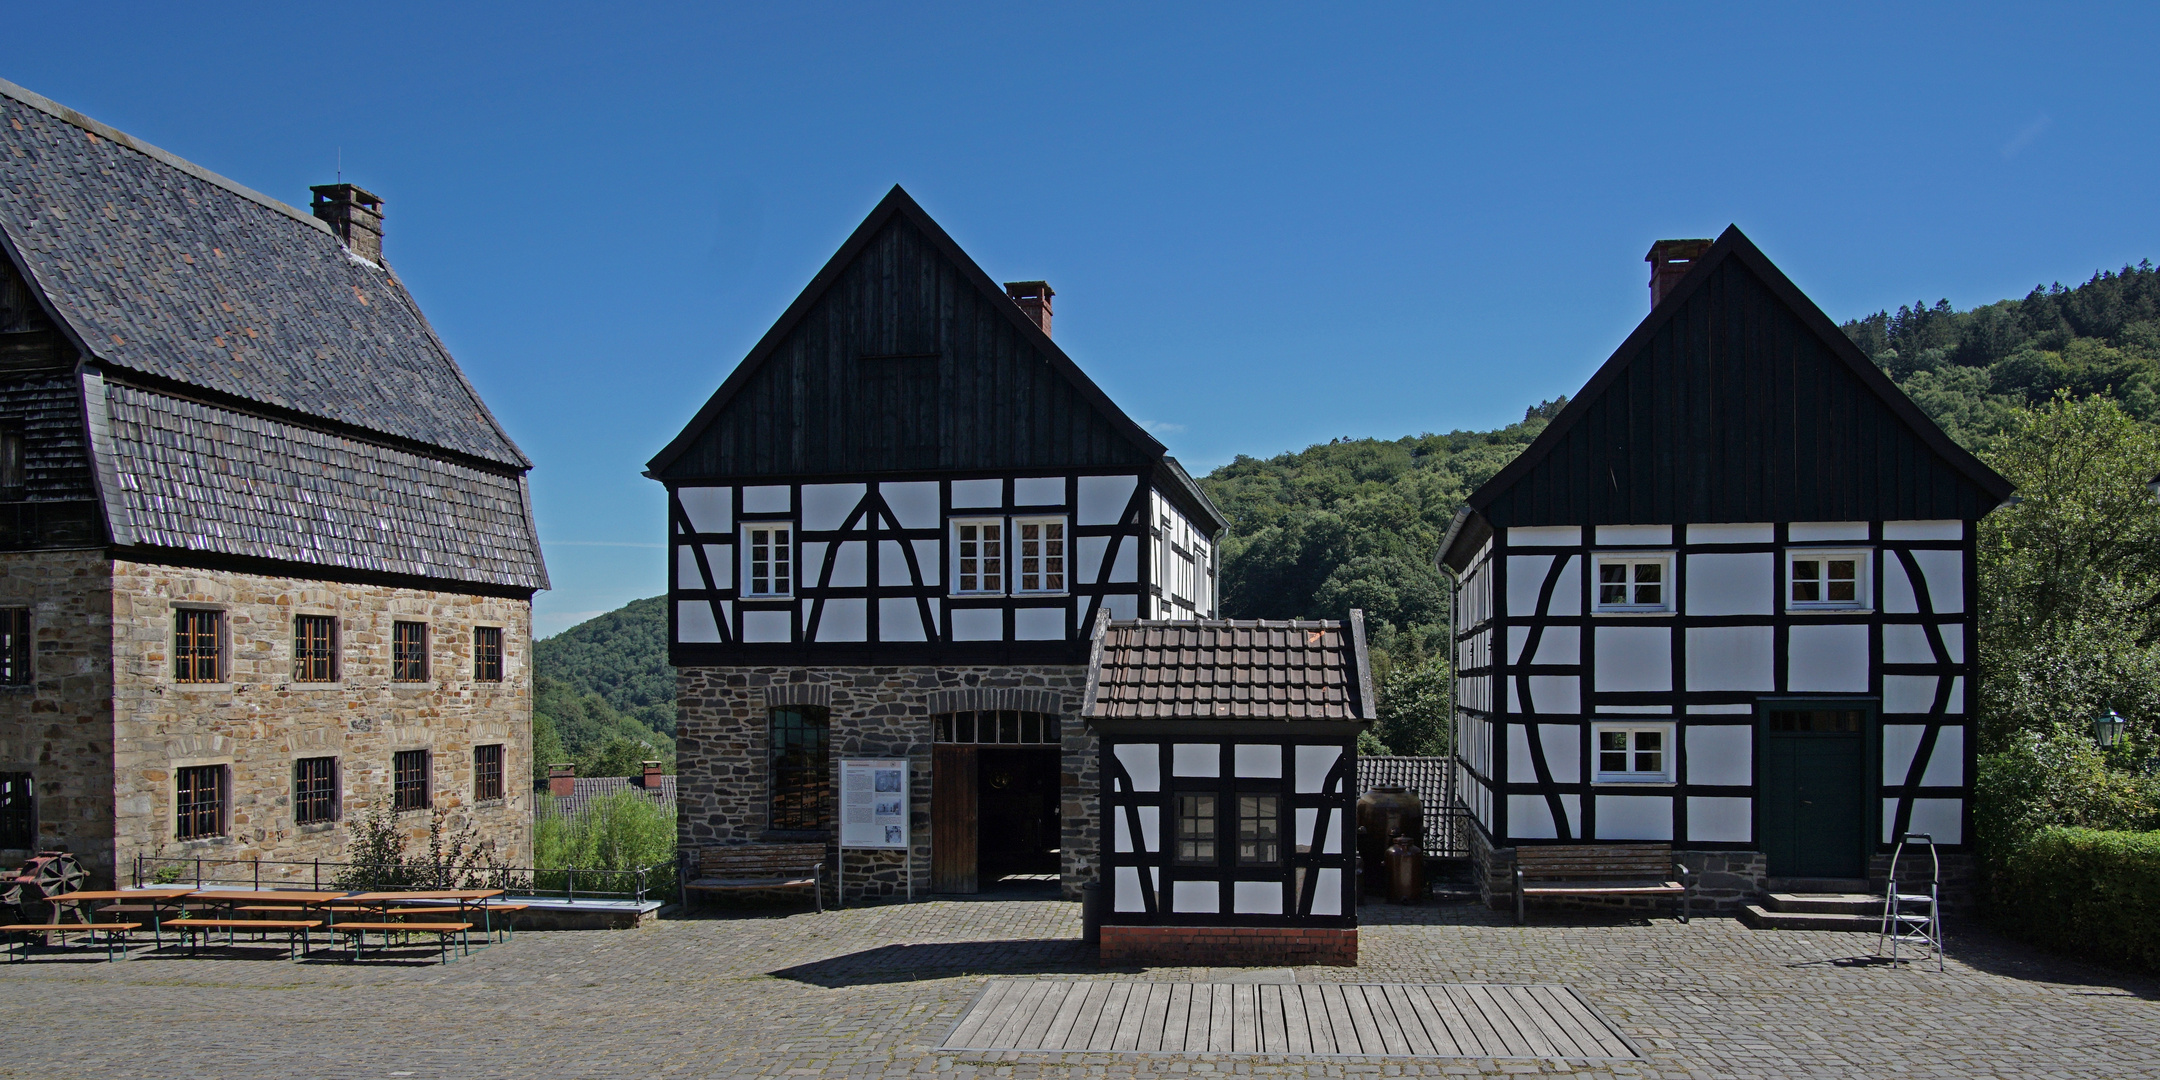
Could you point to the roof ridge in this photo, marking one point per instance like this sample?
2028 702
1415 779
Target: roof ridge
61 112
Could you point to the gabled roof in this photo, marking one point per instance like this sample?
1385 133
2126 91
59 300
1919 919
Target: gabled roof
158 266
1736 399
898 206
1224 669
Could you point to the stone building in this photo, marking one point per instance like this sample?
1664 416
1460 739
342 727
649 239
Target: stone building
266 560
892 528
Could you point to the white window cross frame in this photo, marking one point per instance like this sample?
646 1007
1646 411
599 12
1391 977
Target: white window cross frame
1634 582
1829 579
979 557
1042 548
1633 753
768 557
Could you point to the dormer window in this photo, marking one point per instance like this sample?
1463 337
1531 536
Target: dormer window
1633 583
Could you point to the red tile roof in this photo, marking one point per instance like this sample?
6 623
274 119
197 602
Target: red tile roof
1230 670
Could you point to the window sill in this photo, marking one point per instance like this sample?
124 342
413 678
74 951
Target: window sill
1639 613
1603 782
1828 609
314 827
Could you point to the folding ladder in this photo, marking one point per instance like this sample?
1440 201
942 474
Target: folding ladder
1912 917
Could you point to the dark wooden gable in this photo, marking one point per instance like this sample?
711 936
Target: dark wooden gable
903 356
1738 400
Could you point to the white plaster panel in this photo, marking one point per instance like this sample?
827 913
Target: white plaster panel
1143 762
1800 531
1908 693
1759 532
1718 709
1125 563
1039 624
1731 658
1125 890
1946 766
1827 659
900 619
710 509
686 568
1327 891
1088 554
1904 643
1718 819
1039 491
1195 897
1545 536
892 564
1567 593
1634 710
1945 574
721 559
1634 817
1953 637
1571 805
1563 751
1923 530
694 622
1550 694
1257 761
768 626
1721 755
1529 818
929 560
1559 645
1121 832
826 506
1634 534
914 504
1150 828
1520 769
978 624
1103 499
1307 818
844 620
1633 658
1897 593
1942 819
1256 897
810 561
851 566
1313 765
1731 584
773 499
1525 576
1195 759
1122 606
974 494
1956 704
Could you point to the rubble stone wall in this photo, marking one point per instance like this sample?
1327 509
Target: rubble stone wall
58 727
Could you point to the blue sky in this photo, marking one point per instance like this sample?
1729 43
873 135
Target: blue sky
1267 225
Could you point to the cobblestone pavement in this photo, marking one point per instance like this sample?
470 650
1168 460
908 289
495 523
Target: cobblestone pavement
868 992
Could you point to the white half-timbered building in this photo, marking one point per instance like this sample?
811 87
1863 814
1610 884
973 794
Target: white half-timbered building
891 531
1724 601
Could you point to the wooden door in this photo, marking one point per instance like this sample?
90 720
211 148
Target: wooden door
1813 811
952 819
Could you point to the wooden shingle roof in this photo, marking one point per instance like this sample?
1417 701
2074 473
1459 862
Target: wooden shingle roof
1226 669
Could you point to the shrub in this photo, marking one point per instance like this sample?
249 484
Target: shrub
2088 892
2061 778
622 831
376 858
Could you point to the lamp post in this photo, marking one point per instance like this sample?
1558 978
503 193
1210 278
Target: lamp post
2107 729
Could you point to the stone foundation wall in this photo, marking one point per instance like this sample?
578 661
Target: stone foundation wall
58 728
722 747
258 722
1230 946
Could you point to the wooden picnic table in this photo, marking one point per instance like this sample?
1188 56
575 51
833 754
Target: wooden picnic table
478 898
75 900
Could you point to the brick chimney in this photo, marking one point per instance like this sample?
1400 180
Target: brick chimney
651 781
1033 298
562 780
1670 260
353 214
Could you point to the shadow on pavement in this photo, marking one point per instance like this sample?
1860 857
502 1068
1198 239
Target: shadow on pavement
909 963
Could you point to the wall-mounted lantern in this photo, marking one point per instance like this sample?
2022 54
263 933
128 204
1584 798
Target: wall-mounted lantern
2107 729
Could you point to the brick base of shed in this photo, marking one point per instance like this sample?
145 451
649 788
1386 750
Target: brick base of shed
1230 946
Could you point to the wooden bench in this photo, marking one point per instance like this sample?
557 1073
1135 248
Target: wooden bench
1586 870
760 866
194 930
489 925
442 931
24 932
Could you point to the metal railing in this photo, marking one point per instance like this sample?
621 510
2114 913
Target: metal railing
655 881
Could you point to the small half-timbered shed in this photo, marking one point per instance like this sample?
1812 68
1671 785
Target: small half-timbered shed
891 530
1724 601
1229 788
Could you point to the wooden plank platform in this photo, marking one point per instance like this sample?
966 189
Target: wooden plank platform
1475 1020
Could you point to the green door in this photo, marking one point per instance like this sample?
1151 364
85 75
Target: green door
1813 799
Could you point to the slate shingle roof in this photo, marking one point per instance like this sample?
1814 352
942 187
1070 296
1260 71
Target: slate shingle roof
594 787
1229 670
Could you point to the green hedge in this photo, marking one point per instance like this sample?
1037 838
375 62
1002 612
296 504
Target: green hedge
2085 891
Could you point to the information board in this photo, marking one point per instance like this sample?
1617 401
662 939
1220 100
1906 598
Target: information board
874 803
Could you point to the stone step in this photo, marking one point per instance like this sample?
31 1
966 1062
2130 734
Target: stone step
1824 903
1816 885
1755 916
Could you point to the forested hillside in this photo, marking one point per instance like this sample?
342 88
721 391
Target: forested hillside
604 695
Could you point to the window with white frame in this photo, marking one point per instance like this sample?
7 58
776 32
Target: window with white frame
1041 550
1633 753
1633 582
769 560
1826 579
1187 579
979 556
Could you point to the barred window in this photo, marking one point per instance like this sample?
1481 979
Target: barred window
1042 554
314 648
197 656
999 726
487 767
1196 829
487 660
315 797
200 813
18 810
801 768
409 780
15 647
408 652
